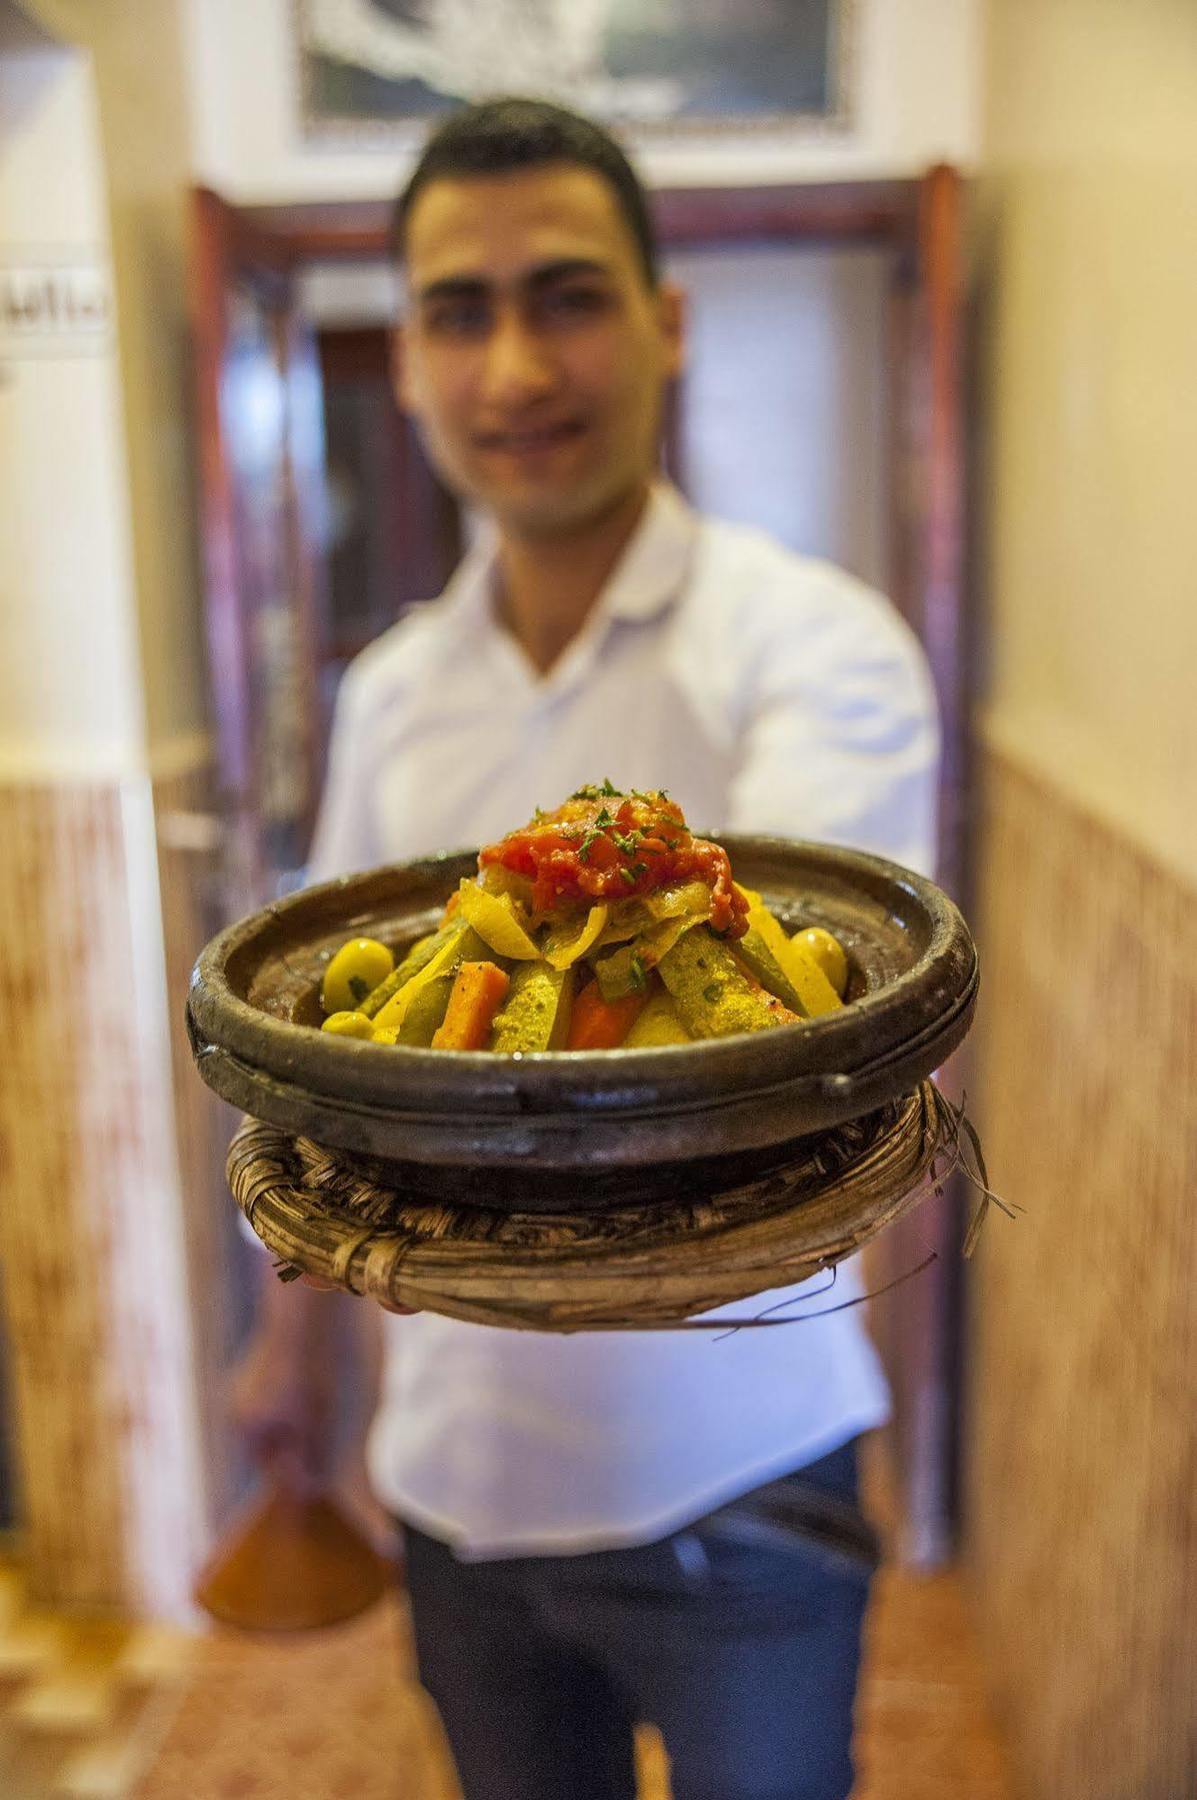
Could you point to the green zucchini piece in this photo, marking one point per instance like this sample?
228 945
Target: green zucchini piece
714 996
535 1014
468 947
417 958
753 950
426 1012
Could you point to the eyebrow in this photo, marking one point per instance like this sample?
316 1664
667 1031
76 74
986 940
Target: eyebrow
544 275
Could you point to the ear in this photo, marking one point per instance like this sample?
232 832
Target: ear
671 316
401 376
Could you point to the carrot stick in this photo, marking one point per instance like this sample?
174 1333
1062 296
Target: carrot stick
598 1024
475 998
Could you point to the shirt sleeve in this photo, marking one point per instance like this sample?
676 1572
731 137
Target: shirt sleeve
839 730
345 837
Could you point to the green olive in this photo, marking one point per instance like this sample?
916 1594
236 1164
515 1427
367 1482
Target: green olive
828 952
354 972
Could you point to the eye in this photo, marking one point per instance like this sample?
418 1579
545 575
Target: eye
577 301
464 317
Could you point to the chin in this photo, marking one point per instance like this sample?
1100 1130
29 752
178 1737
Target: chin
547 512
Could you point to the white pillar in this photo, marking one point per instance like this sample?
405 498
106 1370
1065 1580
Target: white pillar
91 1245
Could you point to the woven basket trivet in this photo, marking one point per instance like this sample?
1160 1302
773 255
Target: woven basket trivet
326 1213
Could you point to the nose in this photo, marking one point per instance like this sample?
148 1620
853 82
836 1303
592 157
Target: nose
519 365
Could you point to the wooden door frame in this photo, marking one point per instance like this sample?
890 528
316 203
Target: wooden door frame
921 222
918 220
227 241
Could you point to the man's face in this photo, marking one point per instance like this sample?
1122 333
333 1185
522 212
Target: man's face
534 354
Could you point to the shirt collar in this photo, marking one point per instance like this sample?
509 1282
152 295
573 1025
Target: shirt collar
647 578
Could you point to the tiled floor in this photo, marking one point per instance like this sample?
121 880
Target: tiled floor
340 1715
84 1703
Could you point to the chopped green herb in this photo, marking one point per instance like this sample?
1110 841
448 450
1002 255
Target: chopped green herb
711 994
626 875
603 818
623 842
595 793
637 973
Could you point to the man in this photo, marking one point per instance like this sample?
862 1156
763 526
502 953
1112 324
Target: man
607 1528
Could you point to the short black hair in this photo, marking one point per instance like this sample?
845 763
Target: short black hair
497 137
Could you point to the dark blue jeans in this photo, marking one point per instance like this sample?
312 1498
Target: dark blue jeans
738 1637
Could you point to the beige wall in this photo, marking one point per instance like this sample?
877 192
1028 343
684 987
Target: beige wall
65 567
136 54
1082 1537
1091 245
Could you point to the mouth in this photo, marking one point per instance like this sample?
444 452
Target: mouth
530 440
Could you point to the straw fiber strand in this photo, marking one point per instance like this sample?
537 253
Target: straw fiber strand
630 1268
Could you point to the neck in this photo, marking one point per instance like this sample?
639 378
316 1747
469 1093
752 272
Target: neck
548 585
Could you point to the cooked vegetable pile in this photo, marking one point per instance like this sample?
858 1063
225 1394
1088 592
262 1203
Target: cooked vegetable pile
603 924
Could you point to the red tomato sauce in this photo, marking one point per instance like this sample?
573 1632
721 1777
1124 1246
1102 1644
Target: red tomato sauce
606 845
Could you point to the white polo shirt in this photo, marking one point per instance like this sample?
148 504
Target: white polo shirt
767 692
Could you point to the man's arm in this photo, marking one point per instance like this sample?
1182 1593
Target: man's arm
840 738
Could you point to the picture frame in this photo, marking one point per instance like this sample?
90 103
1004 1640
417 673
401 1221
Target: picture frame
382 71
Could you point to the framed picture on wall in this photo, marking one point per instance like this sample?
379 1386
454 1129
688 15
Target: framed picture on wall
657 68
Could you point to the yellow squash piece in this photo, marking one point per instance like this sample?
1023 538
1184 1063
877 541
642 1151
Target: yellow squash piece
391 1016
759 960
426 1011
564 953
461 943
812 987
659 1023
421 952
493 918
349 1024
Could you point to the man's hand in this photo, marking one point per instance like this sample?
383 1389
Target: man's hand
280 1402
